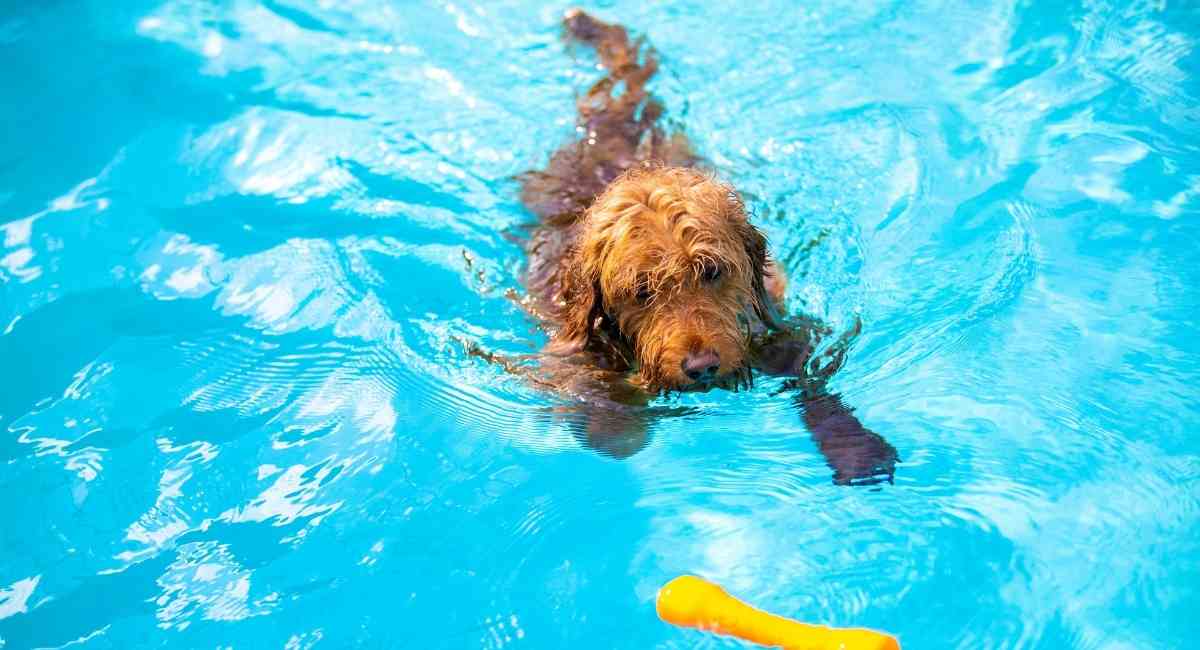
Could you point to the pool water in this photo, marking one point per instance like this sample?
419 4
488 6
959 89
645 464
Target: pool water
246 245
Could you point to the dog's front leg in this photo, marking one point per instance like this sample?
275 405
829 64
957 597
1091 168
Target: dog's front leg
857 455
603 410
615 431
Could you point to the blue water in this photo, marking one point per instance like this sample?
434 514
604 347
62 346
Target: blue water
246 245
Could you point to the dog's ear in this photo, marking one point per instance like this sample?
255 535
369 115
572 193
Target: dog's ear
756 250
583 306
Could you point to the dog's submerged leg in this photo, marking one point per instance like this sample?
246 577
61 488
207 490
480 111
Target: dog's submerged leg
857 455
614 432
607 415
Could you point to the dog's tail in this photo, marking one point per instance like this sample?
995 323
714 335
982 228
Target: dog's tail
618 120
612 42
627 62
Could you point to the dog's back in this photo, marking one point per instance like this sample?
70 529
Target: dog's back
618 125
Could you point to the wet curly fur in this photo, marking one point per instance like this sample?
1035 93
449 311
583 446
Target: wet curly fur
666 265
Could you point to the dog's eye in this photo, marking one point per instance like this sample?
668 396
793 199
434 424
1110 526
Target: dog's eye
643 295
711 273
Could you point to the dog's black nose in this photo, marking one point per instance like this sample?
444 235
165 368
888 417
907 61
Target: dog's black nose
701 365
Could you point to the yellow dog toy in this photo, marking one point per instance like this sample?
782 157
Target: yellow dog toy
689 601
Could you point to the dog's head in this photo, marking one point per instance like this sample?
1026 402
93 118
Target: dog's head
668 267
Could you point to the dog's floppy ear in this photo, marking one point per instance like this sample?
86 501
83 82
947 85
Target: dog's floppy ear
583 305
756 250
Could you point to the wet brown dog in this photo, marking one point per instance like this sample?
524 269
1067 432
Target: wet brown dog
667 266
651 278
